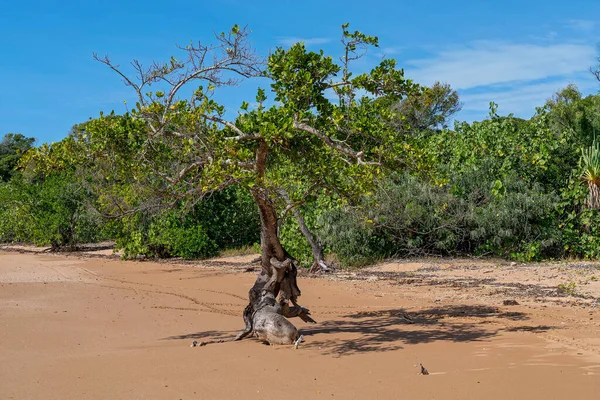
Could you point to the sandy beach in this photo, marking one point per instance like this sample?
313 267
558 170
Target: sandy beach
75 327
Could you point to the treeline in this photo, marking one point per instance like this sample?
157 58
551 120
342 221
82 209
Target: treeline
503 186
351 181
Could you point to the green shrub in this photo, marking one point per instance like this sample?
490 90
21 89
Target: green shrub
294 241
51 211
350 237
579 226
168 237
408 217
229 217
224 220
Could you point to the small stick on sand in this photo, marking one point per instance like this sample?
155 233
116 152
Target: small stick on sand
195 343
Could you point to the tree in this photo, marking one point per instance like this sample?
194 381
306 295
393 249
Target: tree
179 150
429 110
571 113
12 148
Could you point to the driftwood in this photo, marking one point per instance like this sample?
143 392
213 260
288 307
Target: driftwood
268 323
264 316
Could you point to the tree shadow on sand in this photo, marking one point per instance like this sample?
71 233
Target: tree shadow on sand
213 335
388 330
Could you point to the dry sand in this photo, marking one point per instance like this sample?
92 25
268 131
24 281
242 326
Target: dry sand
96 328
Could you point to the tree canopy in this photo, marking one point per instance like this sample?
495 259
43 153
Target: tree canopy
12 148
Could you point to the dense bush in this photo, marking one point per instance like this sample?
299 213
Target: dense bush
224 220
165 235
579 226
350 238
407 217
229 217
50 211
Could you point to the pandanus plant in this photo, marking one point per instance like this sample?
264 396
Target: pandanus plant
590 162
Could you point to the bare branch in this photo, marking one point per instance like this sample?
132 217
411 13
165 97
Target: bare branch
244 137
596 72
115 68
338 84
203 192
218 64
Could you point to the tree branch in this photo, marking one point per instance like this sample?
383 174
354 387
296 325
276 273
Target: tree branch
138 88
336 145
241 134
316 248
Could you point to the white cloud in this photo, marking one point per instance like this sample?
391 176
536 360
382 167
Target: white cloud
290 40
486 63
550 36
512 98
521 99
582 25
389 51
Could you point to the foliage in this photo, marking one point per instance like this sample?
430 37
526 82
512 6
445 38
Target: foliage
225 220
103 152
162 236
407 217
229 217
12 148
172 151
578 224
350 238
503 186
289 231
51 211
590 160
428 110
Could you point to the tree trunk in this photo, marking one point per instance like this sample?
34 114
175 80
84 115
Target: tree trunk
593 199
315 246
264 315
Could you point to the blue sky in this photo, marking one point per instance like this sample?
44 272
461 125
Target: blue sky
516 53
